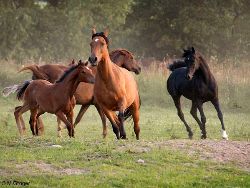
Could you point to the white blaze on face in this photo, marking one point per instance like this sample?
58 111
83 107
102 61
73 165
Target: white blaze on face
96 40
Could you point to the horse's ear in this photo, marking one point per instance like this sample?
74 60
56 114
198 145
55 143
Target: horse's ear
80 62
73 62
93 30
106 32
86 63
193 50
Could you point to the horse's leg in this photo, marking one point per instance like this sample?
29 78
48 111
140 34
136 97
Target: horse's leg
121 125
103 118
70 116
80 114
23 124
39 123
18 116
113 120
181 116
59 127
121 119
193 112
135 114
62 117
33 120
40 126
203 121
220 116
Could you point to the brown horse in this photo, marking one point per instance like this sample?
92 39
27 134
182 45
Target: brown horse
193 79
85 92
41 96
115 88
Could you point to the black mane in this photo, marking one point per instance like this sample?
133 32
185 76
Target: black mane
66 73
178 63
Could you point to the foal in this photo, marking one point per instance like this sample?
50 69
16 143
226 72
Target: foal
41 96
115 88
193 79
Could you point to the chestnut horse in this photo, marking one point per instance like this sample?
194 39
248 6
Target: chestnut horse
193 79
115 88
85 92
41 96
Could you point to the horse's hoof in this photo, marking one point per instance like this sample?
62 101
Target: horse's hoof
190 136
224 135
123 137
225 138
203 136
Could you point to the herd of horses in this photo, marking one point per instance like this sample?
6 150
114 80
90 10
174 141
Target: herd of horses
109 85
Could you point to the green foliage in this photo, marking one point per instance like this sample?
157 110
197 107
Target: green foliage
60 29
57 30
218 28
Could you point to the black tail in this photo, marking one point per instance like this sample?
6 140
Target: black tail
177 64
21 90
128 113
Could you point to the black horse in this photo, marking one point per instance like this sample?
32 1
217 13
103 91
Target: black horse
193 79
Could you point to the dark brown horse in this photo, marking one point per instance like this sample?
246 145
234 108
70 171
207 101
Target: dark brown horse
115 88
193 79
41 96
85 92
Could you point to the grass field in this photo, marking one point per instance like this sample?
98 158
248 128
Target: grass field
163 157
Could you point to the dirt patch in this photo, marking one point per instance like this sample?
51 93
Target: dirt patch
236 152
40 167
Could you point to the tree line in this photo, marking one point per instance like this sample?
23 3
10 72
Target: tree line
61 29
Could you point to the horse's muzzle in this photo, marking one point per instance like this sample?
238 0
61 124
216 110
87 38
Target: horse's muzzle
93 61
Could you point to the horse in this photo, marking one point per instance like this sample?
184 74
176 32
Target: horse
115 88
85 92
41 96
193 79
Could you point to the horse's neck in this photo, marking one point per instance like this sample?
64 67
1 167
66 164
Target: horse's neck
105 70
69 85
206 73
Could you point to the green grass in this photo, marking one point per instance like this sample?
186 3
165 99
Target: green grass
113 163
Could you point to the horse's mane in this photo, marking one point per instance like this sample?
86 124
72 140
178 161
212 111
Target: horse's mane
66 73
178 63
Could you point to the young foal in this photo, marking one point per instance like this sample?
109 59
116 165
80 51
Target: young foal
195 82
41 96
115 88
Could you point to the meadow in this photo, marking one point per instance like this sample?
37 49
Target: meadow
163 157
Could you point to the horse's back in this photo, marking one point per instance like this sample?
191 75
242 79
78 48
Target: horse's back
54 71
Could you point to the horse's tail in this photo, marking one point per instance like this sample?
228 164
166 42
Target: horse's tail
11 89
37 73
21 90
128 113
176 64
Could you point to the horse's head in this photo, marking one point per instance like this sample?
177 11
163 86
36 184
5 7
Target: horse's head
191 62
125 59
85 73
99 46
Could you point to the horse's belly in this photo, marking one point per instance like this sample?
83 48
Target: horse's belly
84 93
110 103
